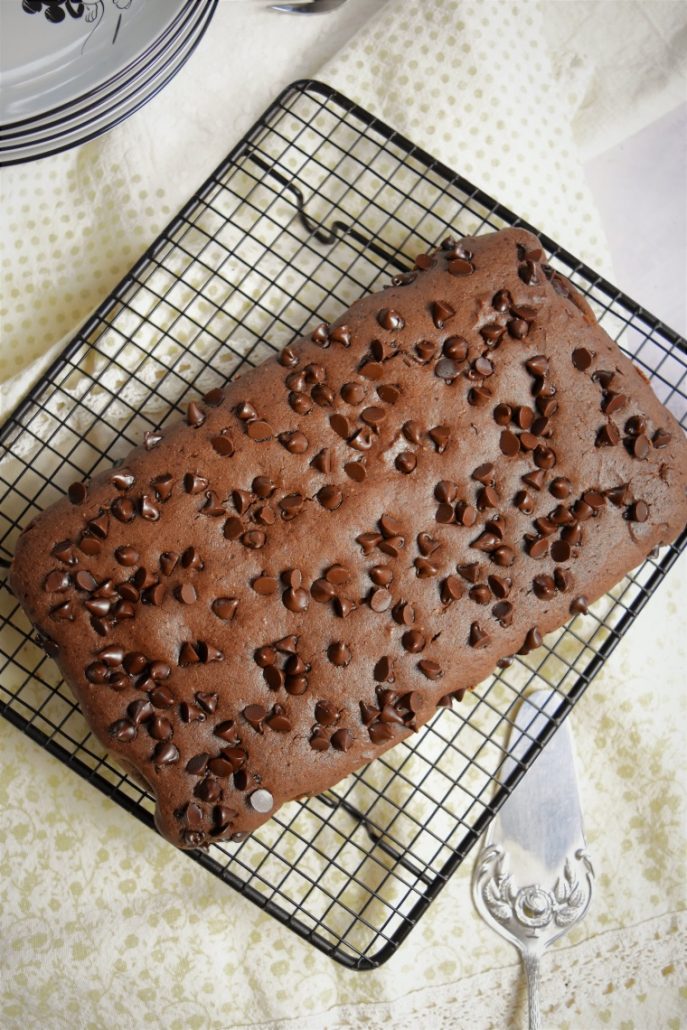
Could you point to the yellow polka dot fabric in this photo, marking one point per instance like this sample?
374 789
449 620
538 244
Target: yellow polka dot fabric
103 924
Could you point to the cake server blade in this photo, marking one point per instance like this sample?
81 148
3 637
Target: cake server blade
533 877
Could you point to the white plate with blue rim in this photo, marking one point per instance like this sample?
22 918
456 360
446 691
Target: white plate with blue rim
71 69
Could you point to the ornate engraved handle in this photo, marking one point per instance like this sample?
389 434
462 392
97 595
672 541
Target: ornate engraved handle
532 916
531 961
534 909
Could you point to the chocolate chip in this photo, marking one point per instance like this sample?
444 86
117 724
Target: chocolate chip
638 512
330 497
445 513
639 447
318 740
362 439
300 402
320 334
214 397
389 393
465 514
341 335
380 600
343 606
277 721
503 613
608 435
499 586
265 585
532 641
165 753
582 358
518 328
296 600
78 492
190 559
195 416
502 414
451 589
338 654
455 349
414 641
479 396
447 370
560 487
340 425
492 333
546 406
509 443
446 490
404 613
259 431
296 685
322 591
661 438
537 546
323 395
544 457
613 402
151 438
579 605
563 579
460 267
572 535
186 593
355 470
620 496
122 479
372 370
478 637
122 730
255 714
383 670
486 541
207 701
544 587
487 497
603 377
342 740
442 312
161 697
535 479
262 487
560 551
480 593
196 766
353 393
390 319
295 442
160 728
89 544
254 539
406 462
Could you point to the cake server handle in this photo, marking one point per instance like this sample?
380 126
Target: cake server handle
531 960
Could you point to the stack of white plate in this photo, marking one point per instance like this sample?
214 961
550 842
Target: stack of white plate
71 69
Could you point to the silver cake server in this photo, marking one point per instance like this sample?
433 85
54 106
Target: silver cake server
533 878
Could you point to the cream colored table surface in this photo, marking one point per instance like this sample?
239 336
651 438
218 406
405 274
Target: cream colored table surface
102 924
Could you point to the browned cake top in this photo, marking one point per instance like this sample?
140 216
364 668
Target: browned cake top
276 590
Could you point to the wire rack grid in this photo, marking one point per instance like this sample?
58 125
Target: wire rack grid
318 203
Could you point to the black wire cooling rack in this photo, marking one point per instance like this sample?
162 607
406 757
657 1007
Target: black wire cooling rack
319 203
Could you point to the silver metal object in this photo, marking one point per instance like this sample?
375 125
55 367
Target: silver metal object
308 6
533 878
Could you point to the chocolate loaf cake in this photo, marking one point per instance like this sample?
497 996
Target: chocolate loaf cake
274 591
